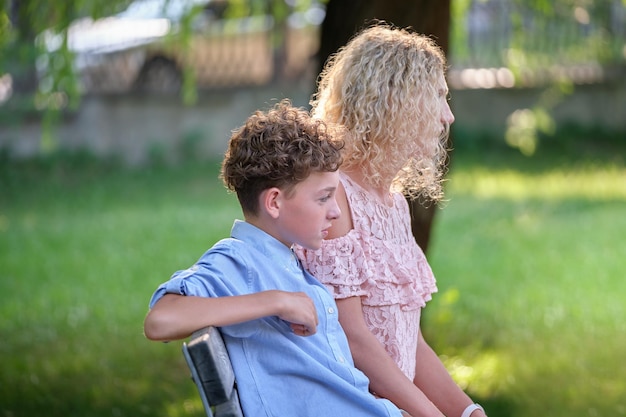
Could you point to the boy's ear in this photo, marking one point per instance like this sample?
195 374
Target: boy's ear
270 201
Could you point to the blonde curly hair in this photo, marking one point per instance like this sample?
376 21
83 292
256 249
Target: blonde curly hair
384 88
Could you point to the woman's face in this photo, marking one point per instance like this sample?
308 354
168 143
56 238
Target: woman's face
447 118
436 122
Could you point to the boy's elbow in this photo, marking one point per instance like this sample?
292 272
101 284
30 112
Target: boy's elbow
153 327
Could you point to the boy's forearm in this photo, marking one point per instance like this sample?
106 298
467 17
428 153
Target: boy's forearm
176 317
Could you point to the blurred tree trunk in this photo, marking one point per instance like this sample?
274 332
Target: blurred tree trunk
431 17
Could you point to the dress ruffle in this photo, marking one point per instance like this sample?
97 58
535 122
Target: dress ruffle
376 272
378 260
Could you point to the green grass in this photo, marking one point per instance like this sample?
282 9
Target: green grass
81 252
529 256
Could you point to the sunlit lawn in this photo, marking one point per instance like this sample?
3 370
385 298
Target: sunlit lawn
530 260
529 255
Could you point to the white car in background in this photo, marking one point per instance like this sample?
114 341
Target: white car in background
141 48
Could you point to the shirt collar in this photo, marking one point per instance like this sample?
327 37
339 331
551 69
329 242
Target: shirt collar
264 243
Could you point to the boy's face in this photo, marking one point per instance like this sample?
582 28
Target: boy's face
306 215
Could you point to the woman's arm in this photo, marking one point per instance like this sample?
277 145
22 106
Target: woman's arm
386 379
177 316
434 380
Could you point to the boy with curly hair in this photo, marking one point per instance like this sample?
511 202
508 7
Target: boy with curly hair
280 325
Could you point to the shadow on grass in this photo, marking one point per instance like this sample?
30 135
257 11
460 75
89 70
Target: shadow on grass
97 377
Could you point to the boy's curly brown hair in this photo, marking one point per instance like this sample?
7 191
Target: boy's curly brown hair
278 148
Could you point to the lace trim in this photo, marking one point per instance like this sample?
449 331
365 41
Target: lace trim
342 266
378 260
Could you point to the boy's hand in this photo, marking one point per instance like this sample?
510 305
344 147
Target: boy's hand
299 311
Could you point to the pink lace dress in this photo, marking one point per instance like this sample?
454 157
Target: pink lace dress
380 262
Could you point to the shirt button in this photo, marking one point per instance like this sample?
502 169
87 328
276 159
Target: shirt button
331 310
341 359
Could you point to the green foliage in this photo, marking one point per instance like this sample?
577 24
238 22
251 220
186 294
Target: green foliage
524 126
539 42
458 29
34 50
26 26
189 91
536 34
19 34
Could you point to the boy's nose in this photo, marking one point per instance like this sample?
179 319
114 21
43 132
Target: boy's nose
334 212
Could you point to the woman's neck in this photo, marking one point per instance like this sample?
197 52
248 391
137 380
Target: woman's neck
381 193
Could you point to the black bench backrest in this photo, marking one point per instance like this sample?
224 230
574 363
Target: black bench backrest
212 373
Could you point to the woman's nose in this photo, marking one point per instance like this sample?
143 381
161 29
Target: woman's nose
447 117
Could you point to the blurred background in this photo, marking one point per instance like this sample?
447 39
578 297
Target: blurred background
94 75
114 115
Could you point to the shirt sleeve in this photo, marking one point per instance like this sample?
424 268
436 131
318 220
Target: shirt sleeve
218 273
183 282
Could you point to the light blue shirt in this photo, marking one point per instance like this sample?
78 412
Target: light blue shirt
278 373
